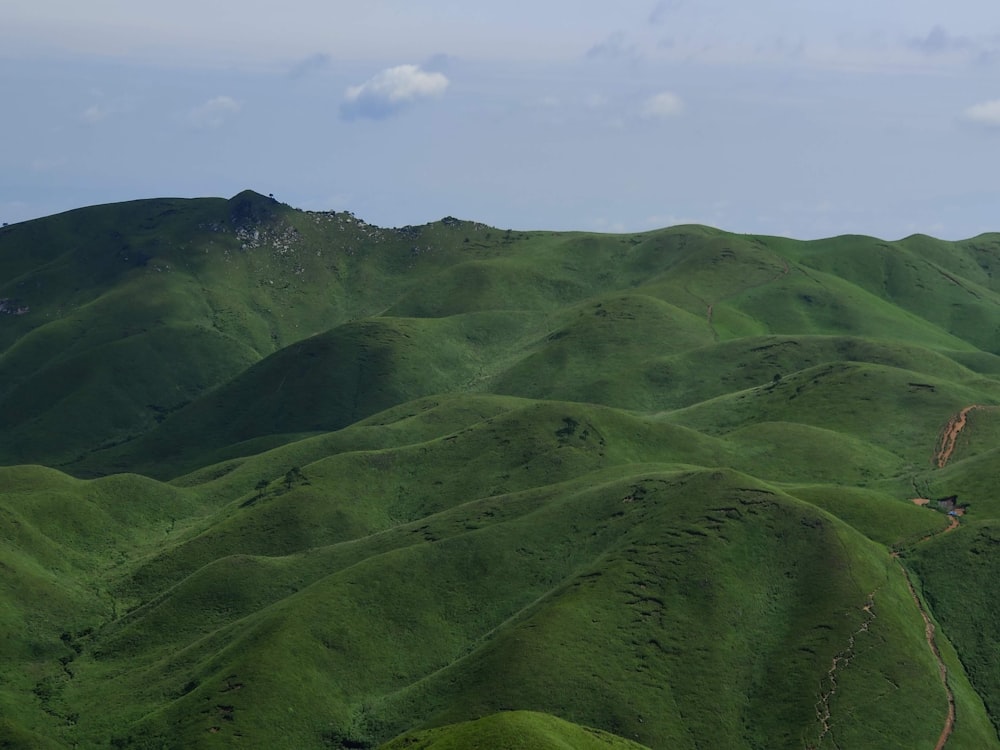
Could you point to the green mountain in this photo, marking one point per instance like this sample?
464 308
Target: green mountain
277 478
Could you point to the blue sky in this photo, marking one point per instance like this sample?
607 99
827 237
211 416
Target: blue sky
778 117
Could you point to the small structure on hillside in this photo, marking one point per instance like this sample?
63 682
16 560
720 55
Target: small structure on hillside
951 506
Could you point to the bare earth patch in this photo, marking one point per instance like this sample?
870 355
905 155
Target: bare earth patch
949 436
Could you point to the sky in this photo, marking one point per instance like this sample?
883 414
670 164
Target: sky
801 119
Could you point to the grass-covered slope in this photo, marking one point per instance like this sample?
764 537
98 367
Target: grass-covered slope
274 478
512 730
666 607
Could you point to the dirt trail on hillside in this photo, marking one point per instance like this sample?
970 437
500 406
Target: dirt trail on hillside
840 661
949 724
953 524
942 454
949 435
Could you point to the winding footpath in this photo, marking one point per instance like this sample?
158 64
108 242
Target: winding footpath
949 724
942 454
840 661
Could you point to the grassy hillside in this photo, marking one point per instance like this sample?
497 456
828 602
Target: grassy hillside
514 730
279 478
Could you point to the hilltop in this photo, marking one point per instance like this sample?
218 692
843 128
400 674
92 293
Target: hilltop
285 478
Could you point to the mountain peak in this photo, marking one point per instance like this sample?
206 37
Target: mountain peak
250 207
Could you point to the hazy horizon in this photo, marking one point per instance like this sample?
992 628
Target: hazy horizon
777 119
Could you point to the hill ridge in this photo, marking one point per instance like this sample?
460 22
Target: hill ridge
279 477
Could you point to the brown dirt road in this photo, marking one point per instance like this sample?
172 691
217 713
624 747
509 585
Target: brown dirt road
949 436
942 454
949 724
953 524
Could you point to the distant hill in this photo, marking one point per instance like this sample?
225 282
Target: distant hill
281 478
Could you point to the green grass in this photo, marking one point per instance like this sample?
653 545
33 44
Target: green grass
513 730
858 399
889 519
566 611
957 573
285 479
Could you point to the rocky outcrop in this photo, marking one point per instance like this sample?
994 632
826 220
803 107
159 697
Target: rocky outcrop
12 307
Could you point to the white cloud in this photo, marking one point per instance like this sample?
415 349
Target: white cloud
662 106
94 114
984 113
213 113
391 90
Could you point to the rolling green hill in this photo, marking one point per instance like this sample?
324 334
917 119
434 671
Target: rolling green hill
277 478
